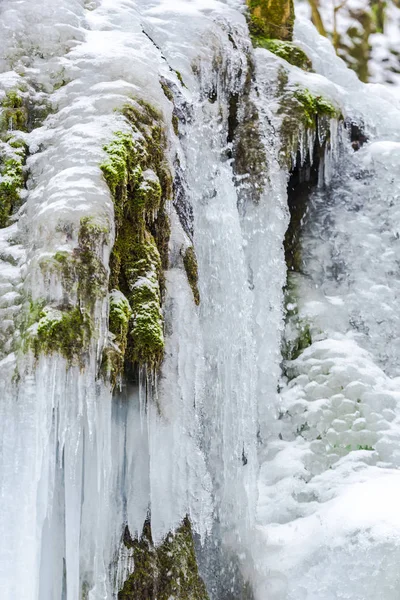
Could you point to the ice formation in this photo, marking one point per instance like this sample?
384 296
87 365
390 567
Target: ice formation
287 466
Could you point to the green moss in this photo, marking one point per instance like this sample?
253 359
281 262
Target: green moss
138 176
272 19
143 581
164 572
175 124
180 78
343 450
14 115
122 160
82 271
119 322
312 107
302 110
167 92
286 50
17 114
137 263
91 273
120 314
68 328
65 331
12 180
161 231
190 264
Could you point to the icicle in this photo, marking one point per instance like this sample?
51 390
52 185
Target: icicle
311 143
334 139
302 145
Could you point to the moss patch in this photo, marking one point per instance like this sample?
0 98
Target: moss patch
191 268
119 322
301 111
17 114
286 50
175 124
82 272
64 331
312 106
91 273
167 91
14 114
138 176
180 78
12 179
68 328
164 572
120 314
271 19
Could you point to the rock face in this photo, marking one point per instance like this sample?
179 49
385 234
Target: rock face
272 18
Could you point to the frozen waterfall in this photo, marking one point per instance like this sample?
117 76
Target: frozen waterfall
273 421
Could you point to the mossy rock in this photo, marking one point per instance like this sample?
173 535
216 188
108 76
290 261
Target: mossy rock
302 111
14 113
120 314
312 107
245 142
91 273
136 266
139 180
145 298
67 329
286 50
191 268
12 179
165 571
272 19
63 331
82 271
18 114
